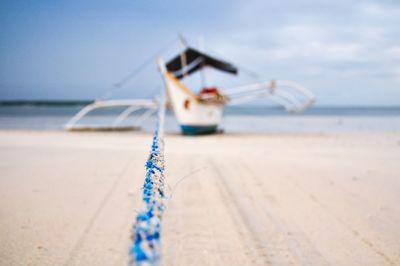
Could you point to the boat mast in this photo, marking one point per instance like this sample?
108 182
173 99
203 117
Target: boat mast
183 55
202 71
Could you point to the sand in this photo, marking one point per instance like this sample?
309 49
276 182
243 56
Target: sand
272 199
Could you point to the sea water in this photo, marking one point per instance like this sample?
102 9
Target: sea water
243 119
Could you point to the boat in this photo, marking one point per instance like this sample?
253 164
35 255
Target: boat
198 112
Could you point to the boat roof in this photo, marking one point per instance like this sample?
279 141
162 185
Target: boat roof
192 60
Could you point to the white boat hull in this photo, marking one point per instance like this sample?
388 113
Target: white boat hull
194 117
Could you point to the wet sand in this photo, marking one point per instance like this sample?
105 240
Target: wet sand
271 199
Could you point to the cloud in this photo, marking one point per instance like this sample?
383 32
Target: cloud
319 51
388 10
396 74
393 52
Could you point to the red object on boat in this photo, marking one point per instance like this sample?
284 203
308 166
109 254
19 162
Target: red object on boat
211 95
209 91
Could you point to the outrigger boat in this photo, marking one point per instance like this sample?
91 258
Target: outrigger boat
199 113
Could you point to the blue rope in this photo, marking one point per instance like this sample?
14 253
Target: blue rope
146 232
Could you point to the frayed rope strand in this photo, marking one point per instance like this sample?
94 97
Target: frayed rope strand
146 231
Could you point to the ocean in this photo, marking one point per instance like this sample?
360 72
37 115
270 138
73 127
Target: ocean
242 119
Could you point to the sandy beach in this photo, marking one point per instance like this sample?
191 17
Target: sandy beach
265 199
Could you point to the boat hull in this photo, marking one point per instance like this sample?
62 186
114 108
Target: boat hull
192 130
193 116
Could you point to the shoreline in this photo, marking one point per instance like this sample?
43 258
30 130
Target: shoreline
177 134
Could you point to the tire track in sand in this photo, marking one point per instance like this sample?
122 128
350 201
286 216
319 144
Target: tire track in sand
71 259
267 234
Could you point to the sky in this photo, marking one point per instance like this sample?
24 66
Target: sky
345 52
